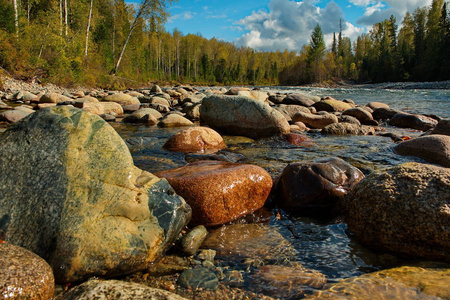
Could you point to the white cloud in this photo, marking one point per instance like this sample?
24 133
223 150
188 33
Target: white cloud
187 15
379 10
288 25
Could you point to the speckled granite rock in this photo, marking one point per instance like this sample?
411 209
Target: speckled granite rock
348 128
70 193
220 192
434 148
195 139
404 209
117 290
24 275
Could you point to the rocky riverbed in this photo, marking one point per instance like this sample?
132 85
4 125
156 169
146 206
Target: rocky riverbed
158 191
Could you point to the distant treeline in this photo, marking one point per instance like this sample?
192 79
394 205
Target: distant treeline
98 42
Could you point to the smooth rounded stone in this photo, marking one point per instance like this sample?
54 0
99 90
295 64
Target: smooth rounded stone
443 127
298 99
364 288
235 90
191 242
198 278
143 116
404 210
383 113
359 113
317 184
134 94
108 117
160 108
14 115
332 105
101 108
277 98
257 95
195 139
289 111
174 120
348 128
220 192
193 99
419 122
24 275
249 241
301 126
430 280
285 281
122 99
192 112
432 148
299 140
53 98
160 101
156 89
315 121
27 96
71 193
117 290
374 105
243 116
349 119
87 99
130 108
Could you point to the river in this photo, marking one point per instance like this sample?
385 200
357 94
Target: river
323 246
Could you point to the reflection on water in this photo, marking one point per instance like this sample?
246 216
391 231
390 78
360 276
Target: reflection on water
327 248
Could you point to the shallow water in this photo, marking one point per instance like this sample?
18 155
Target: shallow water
326 247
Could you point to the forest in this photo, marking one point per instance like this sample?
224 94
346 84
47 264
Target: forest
111 44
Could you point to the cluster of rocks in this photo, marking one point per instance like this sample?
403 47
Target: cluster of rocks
71 194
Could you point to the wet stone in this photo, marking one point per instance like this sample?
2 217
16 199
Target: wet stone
23 274
199 278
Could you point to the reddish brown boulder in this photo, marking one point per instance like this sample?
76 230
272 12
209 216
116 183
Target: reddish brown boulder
195 139
23 274
220 192
306 185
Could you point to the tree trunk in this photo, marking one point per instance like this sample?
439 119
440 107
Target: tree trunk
66 24
60 18
88 28
16 17
138 15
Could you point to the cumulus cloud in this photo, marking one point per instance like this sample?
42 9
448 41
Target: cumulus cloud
288 25
379 10
183 16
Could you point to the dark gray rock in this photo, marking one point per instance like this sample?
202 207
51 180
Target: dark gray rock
319 184
419 122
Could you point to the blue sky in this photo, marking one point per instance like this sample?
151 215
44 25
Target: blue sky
269 25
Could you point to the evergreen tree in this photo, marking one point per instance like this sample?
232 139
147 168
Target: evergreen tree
316 53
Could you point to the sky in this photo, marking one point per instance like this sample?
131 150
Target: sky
270 25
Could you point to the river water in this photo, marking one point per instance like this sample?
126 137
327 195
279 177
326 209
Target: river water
323 246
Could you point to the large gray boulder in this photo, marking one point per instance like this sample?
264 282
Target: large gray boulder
404 209
236 115
70 193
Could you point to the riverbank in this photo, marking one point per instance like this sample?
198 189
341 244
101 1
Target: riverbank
272 252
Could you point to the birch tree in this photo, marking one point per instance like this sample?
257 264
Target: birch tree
88 28
151 9
16 17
